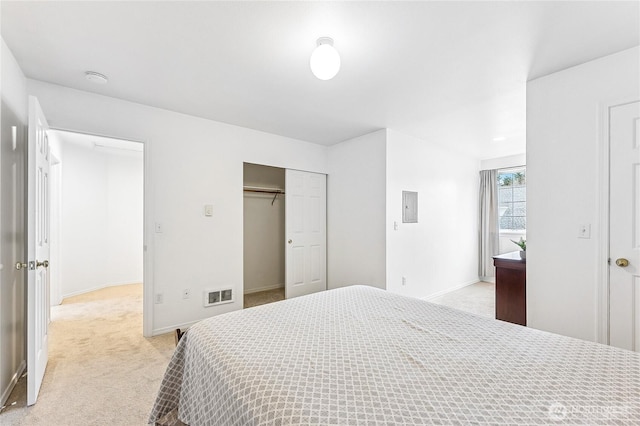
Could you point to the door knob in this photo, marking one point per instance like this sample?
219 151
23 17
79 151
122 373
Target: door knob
44 263
290 241
21 265
622 262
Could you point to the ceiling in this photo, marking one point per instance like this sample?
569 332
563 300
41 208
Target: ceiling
449 72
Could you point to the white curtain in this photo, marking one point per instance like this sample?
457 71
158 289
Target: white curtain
488 229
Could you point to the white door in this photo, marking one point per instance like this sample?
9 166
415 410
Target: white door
624 228
306 233
37 250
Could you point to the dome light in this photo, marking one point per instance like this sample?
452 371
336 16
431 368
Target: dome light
325 60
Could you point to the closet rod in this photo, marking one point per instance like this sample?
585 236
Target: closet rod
274 191
266 190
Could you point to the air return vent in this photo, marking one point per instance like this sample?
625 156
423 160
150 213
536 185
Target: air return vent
218 296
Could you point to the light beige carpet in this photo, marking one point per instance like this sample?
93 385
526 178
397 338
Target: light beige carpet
478 298
263 297
101 370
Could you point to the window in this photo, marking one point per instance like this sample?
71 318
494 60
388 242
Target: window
512 199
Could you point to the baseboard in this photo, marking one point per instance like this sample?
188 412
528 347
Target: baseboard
449 290
171 329
12 383
265 288
89 290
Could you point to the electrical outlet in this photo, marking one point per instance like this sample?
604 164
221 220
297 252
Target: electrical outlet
159 298
404 280
158 228
186 293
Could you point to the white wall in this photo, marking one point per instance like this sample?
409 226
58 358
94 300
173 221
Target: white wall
440 252
125 208
83 219
13 95
356 199
190 162
264 227
100 219
563 143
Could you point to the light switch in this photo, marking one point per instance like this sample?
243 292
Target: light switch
208 210
158 228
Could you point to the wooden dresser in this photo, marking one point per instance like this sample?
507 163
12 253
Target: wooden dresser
511 288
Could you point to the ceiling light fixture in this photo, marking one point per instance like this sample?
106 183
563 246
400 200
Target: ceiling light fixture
325 60
96 77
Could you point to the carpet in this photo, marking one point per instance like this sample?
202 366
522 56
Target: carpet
101 370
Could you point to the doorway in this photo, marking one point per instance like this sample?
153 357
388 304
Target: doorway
285 233
97 202
264 234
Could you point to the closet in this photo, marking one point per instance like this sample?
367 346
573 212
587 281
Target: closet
264 233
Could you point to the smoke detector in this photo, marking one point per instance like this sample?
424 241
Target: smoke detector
96 77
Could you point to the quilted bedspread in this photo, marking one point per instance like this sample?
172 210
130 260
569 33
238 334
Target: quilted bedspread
363 356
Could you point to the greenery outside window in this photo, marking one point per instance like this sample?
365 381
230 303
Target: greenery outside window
512 199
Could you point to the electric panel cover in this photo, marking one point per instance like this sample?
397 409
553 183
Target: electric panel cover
409 207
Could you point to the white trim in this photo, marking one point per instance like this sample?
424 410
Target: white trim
264 288
449 290
12 383
602 182
602 267
172 328
148 244
89 290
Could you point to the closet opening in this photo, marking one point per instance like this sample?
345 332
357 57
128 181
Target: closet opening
264 234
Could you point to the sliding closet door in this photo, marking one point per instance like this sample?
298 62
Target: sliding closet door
306 233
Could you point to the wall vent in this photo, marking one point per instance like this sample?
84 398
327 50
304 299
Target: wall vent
218 296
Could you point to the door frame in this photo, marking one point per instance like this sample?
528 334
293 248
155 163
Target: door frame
147 227
603 183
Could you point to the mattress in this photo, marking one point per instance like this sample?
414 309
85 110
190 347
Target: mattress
364 356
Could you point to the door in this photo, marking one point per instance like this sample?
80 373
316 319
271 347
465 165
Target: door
37 250
624 226
306 233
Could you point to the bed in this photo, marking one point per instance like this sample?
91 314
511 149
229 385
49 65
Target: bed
363 356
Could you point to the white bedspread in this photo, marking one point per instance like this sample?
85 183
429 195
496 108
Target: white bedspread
360 355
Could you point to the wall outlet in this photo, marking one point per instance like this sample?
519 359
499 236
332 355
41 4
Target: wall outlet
404 280
159 298
186 293
158 228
